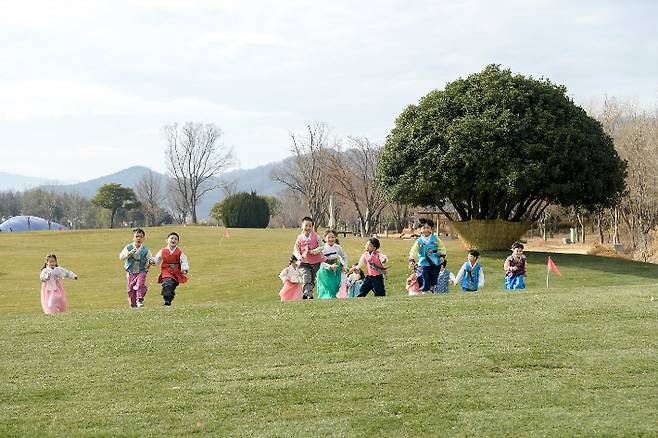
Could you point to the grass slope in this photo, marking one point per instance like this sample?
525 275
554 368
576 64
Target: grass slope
228 359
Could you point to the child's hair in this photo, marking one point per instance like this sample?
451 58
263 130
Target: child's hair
362 275
474 252
517 245
140 231
50 256
307 218
173 234
327 232
444 263
293 258
424 221
375 242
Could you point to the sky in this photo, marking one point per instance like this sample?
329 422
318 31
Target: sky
86 87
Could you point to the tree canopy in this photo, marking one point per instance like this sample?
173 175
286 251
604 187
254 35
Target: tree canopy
500 146
245 210
113 197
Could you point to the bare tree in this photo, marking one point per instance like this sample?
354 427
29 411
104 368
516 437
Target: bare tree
195 158
353 173
305 173
635 134
150 194
177 203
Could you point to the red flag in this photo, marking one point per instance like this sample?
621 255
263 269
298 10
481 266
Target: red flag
226 234
551 266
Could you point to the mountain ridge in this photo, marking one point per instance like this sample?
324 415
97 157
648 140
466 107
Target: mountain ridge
256 179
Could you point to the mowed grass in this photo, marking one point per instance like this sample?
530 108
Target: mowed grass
229 359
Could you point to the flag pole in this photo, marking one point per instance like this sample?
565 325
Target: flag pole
548 271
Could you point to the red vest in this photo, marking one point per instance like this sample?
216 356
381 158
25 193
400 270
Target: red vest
170 267
305 245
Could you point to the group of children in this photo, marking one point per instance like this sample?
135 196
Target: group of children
324 262
137 259
314 260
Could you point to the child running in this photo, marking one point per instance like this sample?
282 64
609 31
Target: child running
427 253
174 268
292 289
53 297
471 274
136 258
373 262
515 268
308 251
331 270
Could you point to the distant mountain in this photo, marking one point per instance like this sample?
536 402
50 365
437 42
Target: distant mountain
127 177
12 181
257 179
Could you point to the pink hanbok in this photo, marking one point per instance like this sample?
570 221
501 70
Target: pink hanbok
292 287
412 285
343 291
53 297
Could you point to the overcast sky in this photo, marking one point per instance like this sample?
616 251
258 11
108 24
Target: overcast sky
86 86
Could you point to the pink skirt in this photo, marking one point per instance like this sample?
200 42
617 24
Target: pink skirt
53 301
342 291
291 291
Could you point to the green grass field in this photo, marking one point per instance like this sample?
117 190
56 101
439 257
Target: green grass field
229 359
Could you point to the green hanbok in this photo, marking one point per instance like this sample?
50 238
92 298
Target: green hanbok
329 279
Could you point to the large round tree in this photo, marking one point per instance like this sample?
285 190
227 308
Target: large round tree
498 146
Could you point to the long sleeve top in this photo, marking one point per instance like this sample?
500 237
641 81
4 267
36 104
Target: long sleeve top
415 248
184 264
462 271
297 253
135 253
363 265
291 274
50 275
332 253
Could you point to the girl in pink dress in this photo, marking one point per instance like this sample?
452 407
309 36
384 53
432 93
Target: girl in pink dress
53 298
290 276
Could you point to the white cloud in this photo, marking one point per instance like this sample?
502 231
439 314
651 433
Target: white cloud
54 99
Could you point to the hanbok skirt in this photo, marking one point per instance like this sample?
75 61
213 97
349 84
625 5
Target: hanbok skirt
53 300
329 282
514 282
342 291
291 291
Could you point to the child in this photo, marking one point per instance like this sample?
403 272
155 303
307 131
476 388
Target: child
373 262
174 268
308 251
445 277
515 268
429 252
331 270
412 286
292 289
53 297
355 280
471 274
136 257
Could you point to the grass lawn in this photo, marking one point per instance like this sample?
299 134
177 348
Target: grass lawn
229 359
